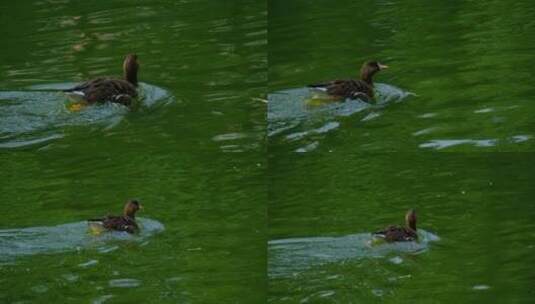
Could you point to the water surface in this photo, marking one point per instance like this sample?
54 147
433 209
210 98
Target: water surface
479 205
469 69
203 68
469 66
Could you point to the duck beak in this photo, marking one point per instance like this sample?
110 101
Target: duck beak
382 66
140 207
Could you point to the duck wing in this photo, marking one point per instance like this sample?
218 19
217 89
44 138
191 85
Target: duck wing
105 89
83 86
347 88
396 234
117 223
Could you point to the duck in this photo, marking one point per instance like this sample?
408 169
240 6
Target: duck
400 234
353 88
104 89
126 222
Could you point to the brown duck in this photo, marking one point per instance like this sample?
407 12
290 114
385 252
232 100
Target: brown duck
400 234
125 222
353 88
104 89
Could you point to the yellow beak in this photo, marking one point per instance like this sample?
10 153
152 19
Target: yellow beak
382 66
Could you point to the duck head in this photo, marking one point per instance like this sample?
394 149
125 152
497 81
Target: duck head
131 207
130 68
369 68
410 219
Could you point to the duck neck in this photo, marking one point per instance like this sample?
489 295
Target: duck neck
367 77
129 213
130 75
411 225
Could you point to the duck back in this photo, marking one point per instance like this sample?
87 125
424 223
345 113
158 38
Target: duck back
115 223
396 234
105 89
347 88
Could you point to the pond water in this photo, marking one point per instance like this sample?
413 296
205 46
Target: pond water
289 257
15 243
39 114
457 133
468 66
255 187
294 114
202 69
477 208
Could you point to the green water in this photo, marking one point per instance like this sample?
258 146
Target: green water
460 81
202 65
247 202
480 207
469 64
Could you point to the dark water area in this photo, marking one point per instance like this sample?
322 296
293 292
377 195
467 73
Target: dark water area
202 68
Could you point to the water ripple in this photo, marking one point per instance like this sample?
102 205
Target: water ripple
40 114
124 283
299 111
439 144
66 237
290 256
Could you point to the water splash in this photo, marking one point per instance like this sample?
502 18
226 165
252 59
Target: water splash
67 237
290 256
296 113
40 113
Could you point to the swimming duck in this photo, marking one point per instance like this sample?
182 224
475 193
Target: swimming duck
125 222
400 234
108 89
353 88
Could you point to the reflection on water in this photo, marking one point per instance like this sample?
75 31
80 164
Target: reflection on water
237 142
439 144
41 113
288 257
68 237
124 283
323 129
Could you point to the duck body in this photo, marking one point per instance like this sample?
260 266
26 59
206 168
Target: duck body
396 234
400 234
353 88
114 223
104 89
347 88
126 222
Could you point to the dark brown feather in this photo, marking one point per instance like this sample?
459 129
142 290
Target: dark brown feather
400 234
397 234
125 222
350 88
354 88
109 89
120 223
103 89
